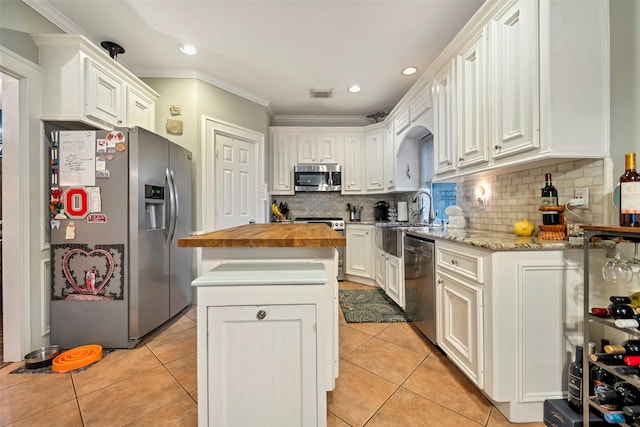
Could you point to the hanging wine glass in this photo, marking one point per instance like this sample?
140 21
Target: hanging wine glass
634 263
616 269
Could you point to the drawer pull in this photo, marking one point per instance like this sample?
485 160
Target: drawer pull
261 314
454 261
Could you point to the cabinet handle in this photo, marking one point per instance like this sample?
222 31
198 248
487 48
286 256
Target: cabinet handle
448 163
119 122
454 261
261 314
461 159
497 147
440 282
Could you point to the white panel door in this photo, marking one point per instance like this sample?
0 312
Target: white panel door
262 366
443 116
104 96
461 322
235 169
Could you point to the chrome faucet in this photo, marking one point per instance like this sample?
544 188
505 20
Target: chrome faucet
417 198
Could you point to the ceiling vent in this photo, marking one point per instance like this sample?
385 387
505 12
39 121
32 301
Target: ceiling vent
321 93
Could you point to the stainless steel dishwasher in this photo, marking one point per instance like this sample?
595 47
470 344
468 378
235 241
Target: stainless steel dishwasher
419 282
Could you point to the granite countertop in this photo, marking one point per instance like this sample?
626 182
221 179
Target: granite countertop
497 241
272 235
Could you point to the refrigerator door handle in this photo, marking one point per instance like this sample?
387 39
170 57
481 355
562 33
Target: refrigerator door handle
172 207
176 204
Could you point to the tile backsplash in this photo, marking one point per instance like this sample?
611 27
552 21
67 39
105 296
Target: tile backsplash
331 204
515 196
511 197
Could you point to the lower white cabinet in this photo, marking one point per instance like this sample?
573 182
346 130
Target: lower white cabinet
460 274
265 344
262 365
394 279
358 259
380 266
460 325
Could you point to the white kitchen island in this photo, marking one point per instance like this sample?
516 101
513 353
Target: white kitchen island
269 291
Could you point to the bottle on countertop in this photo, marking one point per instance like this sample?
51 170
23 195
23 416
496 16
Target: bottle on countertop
549 198
630 193
575 381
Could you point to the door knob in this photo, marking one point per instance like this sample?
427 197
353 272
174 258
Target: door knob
261 314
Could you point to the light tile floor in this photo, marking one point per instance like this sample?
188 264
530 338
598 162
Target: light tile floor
390 375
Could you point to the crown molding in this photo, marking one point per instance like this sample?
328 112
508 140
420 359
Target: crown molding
52 14
314 120
196 74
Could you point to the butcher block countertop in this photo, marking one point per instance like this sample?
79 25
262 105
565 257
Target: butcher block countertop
267 236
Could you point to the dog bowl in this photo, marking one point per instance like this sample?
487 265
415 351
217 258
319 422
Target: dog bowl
43 357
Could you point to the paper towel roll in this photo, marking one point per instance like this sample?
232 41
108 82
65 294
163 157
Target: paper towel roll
403 214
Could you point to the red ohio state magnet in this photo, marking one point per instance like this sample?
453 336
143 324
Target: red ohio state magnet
76 202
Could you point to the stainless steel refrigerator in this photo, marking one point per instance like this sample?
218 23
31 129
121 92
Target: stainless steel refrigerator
119 202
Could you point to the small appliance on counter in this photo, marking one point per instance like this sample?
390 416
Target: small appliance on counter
381 210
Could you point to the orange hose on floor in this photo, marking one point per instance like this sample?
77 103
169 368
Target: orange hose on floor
77 358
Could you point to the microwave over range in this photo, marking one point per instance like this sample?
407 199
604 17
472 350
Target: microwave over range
317 177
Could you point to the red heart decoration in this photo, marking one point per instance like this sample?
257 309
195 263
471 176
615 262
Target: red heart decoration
71 279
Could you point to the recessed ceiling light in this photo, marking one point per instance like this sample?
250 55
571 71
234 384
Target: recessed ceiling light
355 89
188 49
409 71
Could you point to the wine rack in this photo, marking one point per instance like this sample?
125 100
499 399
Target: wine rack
618 234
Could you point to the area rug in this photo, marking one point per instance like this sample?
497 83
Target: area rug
369 306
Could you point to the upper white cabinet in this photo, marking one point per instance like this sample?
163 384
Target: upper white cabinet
514 79
82 83
443 132
375 150
353 173
140 109
389 158
314 148
471 114
283 158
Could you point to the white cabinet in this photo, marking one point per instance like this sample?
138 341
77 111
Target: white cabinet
380 266
283 158
389 158
82 83
105 94
471 117
141 110
263 358
514 90
264 342
314 148
443 114
459 277
375 151
358 257
353 174
394 279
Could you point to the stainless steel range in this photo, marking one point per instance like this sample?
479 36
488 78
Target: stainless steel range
335 223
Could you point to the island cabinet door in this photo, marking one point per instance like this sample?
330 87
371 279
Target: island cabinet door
262 365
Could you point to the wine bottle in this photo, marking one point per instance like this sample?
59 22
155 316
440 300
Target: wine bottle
575 381
620 299
608 359
617 311
628 347
602 381
549 198
630 193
